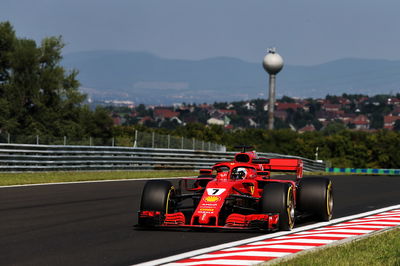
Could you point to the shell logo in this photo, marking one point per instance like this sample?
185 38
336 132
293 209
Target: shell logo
212 199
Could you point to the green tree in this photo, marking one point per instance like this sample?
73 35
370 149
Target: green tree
37 95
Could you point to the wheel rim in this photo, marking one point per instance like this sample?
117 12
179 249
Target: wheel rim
290 208
171 190
329 200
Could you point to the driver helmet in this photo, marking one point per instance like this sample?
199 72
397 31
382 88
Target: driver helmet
239 173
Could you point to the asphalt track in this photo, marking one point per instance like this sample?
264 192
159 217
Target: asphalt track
92 223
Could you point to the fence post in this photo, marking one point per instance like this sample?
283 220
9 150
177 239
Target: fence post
135 141
169 139
8 138
65 140
113 142
209 145
182 143
152 140
202 145
37 139
90 141
194 143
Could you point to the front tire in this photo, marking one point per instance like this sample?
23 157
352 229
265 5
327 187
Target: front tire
156 196
278 198
315 196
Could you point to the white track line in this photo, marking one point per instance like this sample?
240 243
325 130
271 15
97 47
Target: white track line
259 239
221 262
270 246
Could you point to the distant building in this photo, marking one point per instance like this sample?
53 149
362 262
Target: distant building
396 111
249 106
145 119
307 128
216 121
287 106
224 112
128 104
361 122
164 113
323 116
335 108
347 118
389 120
393 101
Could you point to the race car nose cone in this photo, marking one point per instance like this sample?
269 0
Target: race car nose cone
204 219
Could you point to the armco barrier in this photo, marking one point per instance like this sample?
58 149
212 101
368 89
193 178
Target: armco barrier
364 171
26 157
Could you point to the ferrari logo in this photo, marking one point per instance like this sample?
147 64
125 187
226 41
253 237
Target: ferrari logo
252 190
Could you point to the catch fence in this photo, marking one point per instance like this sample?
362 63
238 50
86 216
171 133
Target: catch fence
138 140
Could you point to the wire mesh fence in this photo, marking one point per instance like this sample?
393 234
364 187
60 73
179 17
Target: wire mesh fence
140 139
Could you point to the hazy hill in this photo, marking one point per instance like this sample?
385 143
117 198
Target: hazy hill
145 78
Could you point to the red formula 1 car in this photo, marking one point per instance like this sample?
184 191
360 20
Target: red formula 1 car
237 195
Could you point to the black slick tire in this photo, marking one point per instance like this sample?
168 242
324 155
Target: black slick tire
278 198
315 196
156 196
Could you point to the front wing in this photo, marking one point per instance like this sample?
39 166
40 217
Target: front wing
235 221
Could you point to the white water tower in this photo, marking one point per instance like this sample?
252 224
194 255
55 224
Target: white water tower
272 63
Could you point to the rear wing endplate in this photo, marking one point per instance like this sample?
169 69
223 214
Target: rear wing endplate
285 165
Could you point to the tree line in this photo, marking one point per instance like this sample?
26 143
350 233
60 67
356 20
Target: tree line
38 96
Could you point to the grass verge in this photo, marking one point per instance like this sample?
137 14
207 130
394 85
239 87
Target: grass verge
7 179
379 249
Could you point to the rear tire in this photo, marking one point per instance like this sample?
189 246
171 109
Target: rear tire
315 196
278 198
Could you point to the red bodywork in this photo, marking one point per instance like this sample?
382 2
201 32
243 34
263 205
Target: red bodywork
225 200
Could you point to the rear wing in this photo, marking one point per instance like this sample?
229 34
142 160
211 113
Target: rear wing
285 165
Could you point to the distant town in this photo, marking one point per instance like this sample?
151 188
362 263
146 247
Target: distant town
355 112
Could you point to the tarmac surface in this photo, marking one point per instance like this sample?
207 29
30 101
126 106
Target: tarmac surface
92 223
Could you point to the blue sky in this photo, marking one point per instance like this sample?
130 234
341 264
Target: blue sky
305 32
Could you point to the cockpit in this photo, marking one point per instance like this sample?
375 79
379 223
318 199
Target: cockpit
235 173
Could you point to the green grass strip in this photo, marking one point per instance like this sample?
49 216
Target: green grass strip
380 249
7 179
368 171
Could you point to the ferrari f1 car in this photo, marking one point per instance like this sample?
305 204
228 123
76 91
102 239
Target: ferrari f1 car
240 194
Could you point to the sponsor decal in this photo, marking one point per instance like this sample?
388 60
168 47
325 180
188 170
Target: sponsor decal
207 210
212 199
209 205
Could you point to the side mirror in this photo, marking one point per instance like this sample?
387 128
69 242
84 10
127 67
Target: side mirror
264 174
205 171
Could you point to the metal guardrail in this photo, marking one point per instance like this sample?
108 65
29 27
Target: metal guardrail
26 157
